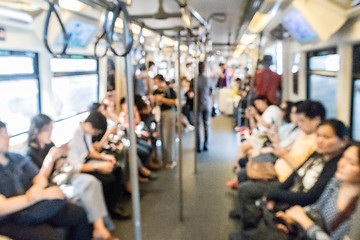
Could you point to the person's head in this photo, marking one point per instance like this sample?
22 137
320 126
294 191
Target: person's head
123 104
309 115
222 66
331 137
184 82
151 65
261 103
267 61
286 108
4 138
40 130
140 103
97 107
95 124
188 65
142 67
160 81
348 169
201 68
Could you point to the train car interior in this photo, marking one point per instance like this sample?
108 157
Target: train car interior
179 119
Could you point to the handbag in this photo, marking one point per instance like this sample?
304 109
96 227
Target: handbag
62 176
260 170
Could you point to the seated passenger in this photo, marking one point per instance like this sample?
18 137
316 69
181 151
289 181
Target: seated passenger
287 133
83 157
305 184
331 216
86 189
261 117
33 210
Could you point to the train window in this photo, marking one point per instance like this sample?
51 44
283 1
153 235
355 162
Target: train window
322 81
19 89
75 84
355 118
356 111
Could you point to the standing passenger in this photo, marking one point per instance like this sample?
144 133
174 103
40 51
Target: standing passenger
166 98
266 82
204 107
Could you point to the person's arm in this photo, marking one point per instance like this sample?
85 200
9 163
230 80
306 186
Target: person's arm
98 145
101 156
103 167
261 121
35 194
304 198
48 164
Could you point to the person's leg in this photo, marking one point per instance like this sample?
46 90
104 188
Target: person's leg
207 127
168 128
43 231
198 135
244 148
74 218
88 192
248 193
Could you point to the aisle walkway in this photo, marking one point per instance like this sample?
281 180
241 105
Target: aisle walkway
206 199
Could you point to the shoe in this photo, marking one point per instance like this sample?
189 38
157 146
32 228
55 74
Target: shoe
120 214
205 148
190 127
111 237
234 214
198 150
170 165
235 236
233 184
151 176
143 179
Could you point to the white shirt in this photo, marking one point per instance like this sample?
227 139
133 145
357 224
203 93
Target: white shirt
271 115
78 150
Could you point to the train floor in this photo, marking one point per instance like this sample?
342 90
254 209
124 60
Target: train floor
207 201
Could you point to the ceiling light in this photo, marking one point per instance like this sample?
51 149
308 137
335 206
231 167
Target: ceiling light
74 5
185 17
119 23
168 41
259 22
246 39
239 50
183 48
16 15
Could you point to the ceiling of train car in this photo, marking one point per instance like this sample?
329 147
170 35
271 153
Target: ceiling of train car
219 31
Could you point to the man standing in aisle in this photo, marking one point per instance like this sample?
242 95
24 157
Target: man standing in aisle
267 82
165 97
204 108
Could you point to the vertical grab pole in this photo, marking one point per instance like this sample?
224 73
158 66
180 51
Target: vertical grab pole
196 116
180 129
133 162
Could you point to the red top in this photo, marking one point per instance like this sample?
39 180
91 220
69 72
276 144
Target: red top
266 83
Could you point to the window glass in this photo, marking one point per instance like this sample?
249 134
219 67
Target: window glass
356 111
16 65
73 94
73 65
325 63
19 102
323 89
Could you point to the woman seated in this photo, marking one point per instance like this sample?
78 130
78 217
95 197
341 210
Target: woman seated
262 118
85 189
305 184
336 205
283 136
33 210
